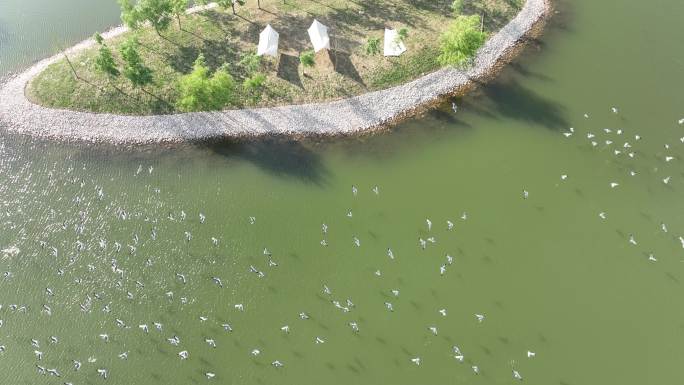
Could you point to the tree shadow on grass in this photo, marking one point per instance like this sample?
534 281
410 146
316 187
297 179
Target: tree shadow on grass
278 156
181 60
221 20
293 32
494 19
376 14
218 53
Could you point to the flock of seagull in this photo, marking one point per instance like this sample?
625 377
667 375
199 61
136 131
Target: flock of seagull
618 143
616 140
123 250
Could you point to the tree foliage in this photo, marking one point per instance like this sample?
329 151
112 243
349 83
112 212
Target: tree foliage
457 7
134 68
230 3
461 41
129 15
156 12
179 7
201 92
104 62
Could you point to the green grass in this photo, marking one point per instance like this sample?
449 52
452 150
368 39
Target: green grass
224 38
406 68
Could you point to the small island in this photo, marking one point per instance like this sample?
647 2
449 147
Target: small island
172 59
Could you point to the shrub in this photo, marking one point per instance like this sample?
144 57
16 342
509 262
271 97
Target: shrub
307 58
461 41
254 82
373 46
402 35
201 92
251 62
253 86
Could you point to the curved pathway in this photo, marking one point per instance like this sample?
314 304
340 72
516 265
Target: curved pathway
354 115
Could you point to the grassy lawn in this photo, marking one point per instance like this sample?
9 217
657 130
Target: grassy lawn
224 38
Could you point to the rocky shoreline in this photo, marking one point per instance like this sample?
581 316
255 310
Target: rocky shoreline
363 113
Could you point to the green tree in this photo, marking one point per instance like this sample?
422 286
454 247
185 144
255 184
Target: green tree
201 92
457 7
461 40
134 68
104 62
179 7
230 3
129 14
156 12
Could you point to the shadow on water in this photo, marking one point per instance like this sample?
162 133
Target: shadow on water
508 99
277 156
413 135
523 70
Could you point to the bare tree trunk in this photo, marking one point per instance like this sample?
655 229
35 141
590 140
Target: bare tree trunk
73 70
111 83
179 22
76 75
259 4
155 96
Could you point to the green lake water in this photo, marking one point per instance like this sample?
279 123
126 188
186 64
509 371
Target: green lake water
547 272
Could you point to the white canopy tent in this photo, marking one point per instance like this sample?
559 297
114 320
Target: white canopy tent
268 42
393 45
318 33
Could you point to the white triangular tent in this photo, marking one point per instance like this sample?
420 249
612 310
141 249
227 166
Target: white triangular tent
318 33
268 42
393 45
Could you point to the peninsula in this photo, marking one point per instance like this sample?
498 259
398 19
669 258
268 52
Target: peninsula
346 89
